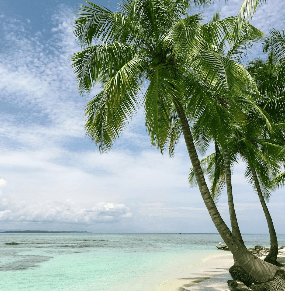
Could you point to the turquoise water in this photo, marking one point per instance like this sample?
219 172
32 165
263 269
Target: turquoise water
97 262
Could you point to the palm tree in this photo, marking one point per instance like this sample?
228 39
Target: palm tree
249 142
262 156
236 43
270 77
156 40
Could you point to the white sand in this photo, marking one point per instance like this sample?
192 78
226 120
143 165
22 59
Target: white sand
211 275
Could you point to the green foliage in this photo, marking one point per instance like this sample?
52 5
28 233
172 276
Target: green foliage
278 180
133 47
257 134
275 44
213 167
100 62
158 42
248 8
270 78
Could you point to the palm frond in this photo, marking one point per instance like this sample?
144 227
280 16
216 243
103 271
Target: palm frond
217 32
201 135
110 110
223 36
278 180
206 109
185 35
97 22
241 40
248 8
100 62
205 162
213 167
158 104
175 132
104 121
125 82
97 124
275 43
221 75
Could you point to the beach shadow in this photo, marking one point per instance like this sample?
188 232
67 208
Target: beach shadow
216 282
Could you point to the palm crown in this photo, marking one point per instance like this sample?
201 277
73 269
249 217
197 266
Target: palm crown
158 42
270 77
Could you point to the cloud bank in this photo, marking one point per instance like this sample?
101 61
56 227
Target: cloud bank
61 212
56 175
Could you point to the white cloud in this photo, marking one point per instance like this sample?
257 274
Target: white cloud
61 212
38 83
2 182
268 15
43 122
55 171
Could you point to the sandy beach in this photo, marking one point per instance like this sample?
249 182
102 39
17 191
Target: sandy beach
211 275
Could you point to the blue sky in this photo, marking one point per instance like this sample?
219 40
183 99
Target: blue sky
53 177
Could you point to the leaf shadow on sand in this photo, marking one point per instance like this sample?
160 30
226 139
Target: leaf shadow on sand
213 281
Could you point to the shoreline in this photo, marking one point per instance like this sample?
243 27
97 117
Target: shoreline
212 274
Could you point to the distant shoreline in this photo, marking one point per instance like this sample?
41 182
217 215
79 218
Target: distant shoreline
40 231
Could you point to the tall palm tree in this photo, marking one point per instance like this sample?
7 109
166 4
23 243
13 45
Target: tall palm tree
156 40
228 49
262 156
249 142
270 79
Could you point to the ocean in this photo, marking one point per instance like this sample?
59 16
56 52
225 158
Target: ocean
103 262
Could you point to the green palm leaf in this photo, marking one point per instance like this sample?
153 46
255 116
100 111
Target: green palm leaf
97 22
278 181
98 63
248 8
109 111
275 43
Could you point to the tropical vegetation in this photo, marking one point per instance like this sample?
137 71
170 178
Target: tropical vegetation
194 83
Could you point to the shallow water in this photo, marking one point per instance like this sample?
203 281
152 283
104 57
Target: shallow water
97 262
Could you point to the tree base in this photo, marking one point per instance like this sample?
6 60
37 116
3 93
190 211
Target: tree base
276 284
239 274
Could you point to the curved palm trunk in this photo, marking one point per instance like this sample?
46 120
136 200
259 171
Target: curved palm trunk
258 269
233 217
272 256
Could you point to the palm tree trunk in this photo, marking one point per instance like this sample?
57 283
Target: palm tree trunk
258 269
233 217
272 256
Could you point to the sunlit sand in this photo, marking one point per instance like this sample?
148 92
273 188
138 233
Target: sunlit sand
211 275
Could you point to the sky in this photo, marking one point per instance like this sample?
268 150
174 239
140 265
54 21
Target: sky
52 177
